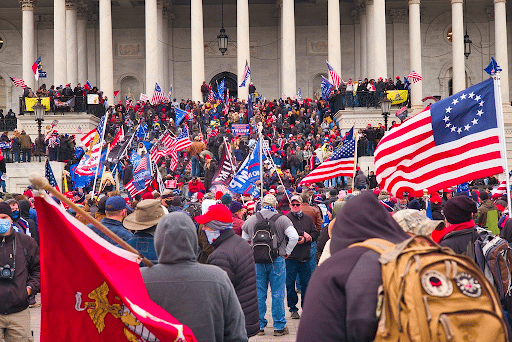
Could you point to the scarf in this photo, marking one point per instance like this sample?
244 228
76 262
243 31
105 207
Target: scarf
438 235
218 225
269 207
298 215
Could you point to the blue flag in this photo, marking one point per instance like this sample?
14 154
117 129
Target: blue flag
220 90
142 131
142 173
179 115
134 159
464 187
327 88
248 174
493 67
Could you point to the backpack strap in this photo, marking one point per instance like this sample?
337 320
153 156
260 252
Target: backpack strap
378 245
459 232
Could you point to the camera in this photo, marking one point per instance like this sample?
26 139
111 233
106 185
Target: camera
7 272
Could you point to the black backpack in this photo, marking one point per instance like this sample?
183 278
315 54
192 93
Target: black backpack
265 246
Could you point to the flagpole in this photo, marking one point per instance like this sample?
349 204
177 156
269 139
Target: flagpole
42 183
101 147
260 129
278 176
355 161
499 116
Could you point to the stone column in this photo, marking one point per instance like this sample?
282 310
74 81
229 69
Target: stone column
152 63
370 39
415 52
243 47
160 44
333 35
59 43
81 39
29 56
289 80
165 51
459 68
357 44
197 48
379 17
71 44
500 36
106 51
364 46
92 56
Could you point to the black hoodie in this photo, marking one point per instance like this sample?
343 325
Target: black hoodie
342 293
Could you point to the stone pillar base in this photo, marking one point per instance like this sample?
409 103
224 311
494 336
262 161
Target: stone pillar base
67 123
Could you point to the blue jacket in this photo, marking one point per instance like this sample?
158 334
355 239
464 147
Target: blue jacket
115 226
144 243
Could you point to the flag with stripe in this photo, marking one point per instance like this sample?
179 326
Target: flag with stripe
143 97
163 148
453 141
335 78
87 139
211 97
414 77
327 88
502 188
183 141
48 173
18 82
245 76
144 179
341 163
158 95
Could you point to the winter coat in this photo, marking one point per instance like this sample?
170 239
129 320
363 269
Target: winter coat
486 206
302 252
342 292
25 141
234 255
207 302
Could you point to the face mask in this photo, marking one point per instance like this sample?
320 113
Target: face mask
212 235
4 226
15 215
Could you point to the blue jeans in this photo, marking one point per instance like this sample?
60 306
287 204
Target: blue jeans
303 270
16 156
312 264
275 274
26 155
371 148
195 166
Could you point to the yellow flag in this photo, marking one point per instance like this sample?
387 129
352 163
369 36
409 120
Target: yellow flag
31 101
397 96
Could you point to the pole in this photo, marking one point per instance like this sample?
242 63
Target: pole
260 129
38 148
42 183
499 116
99 161
278 176
355 161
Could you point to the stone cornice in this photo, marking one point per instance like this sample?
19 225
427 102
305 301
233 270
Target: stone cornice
398 15
28 5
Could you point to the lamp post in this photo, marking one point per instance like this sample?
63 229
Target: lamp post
223 37
385 107
39 110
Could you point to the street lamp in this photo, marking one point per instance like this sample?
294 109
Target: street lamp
39 110
385 107
467 45
223 37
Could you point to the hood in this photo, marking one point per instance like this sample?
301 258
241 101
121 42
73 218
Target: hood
24 208
175 239
362 218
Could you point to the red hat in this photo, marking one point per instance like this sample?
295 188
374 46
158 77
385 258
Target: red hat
207 157
147 195
218 195
435 198
200 196
398 77
217 212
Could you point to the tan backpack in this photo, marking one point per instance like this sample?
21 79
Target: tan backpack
429 293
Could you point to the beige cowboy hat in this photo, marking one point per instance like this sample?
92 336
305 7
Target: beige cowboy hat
146 215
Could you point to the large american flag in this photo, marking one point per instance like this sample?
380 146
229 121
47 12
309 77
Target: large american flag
158 95
143 165
48 173
151 181
211 98
341 163
182 141
414 77
18 82
336 80
454 141
163 148
245 76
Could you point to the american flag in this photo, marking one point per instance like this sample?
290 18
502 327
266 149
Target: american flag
336 80
174 160
127 101
18 82
183 140
143 97
151 181
341 163
414 77
211 98
101 125
48 173
142 165
163 148
502 189
454 141
158 95
245 76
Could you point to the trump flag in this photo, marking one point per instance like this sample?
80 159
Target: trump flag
453 141
92 290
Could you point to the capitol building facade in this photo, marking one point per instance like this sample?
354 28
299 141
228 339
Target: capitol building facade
129 45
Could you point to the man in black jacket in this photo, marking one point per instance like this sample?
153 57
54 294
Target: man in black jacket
297 262
19 260
234 255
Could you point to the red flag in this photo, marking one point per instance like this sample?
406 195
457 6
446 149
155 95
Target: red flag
95 286
116 93
119 136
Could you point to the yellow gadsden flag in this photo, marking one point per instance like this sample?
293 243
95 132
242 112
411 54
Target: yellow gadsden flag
397 96
31 101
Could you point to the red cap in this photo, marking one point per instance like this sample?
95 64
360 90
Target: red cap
147 195
218 195
217 212
207 157
200 195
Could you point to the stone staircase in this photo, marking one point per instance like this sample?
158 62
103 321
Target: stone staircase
18 173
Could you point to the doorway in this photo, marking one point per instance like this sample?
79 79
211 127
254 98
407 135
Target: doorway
230 81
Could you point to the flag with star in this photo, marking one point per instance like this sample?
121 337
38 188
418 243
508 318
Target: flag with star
453 141
48 173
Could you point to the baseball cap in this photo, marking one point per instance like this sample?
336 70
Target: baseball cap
115 203
217 212
296 198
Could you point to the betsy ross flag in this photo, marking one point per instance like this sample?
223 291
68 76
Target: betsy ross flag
327 88
341 163
158 95
18 82
107 299
48 173
414 77
182 141
336 80
245 76
453 141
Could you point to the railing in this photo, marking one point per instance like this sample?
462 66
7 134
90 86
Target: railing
9 124
63 104
366 99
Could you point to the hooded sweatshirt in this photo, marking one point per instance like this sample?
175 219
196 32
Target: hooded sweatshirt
199 296
342 293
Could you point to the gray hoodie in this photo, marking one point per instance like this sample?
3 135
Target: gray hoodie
199 296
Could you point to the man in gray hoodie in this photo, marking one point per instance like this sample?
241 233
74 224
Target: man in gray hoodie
199 296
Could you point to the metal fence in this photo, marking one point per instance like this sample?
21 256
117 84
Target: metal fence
79 105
